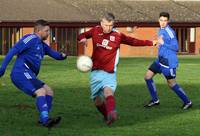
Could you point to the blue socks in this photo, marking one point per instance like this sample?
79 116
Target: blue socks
49 100
42 108
152 89
176 88
181 94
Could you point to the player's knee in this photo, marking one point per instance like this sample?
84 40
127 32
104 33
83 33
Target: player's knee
40 92
108 92
171 83
147 76
50 92
48 89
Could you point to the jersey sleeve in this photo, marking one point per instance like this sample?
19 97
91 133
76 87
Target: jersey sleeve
8 58
19 47
133 41
87 34
50 52
172 43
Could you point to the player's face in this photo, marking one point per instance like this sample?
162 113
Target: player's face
163 21
107 25
44 32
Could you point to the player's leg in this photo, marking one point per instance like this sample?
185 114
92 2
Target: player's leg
109 86
151 72
101 82
110 105
29 84
49 96
101 107
49 100
96 92
109 99
170 75
41 105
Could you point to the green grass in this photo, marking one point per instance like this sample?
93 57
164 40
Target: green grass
18 115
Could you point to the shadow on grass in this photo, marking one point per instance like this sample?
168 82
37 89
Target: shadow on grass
80 115
78 110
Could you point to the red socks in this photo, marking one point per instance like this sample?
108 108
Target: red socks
107 107
110 103
102 109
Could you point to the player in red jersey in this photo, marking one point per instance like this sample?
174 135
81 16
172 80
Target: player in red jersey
105 57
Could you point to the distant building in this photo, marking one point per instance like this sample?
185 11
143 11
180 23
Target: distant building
68 18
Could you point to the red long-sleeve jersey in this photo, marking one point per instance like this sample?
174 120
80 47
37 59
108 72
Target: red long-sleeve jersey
105 54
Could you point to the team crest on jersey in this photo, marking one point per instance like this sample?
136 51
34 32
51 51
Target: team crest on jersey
112 38
104 44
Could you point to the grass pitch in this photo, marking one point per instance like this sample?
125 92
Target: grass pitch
18 115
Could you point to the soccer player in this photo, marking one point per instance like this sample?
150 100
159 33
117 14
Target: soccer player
166 63
106 43
30 50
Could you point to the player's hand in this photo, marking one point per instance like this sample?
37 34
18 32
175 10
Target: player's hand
2 71
160 40
64 56
83 42
155 42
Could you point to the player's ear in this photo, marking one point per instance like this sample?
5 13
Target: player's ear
168 21
101 23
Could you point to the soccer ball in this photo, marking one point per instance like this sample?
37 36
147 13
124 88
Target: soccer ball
84 63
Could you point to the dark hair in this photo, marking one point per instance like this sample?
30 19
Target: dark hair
41 22
164 14
109 17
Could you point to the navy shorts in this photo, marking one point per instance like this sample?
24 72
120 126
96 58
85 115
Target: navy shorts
169 73
26 81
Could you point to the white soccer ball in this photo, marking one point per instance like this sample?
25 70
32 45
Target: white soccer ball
84 63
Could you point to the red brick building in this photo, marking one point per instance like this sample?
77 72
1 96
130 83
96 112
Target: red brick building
68 18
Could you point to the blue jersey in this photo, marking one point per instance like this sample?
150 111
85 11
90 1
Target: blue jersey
167 53
30 51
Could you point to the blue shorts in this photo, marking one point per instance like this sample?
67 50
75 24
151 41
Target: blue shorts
100 79
26 81
169 73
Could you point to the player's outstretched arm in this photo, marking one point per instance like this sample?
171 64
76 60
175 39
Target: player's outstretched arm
83 42
155 43
135 42
54 54
82 38
7 59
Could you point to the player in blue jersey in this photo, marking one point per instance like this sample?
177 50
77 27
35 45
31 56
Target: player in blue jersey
166 63
30 51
